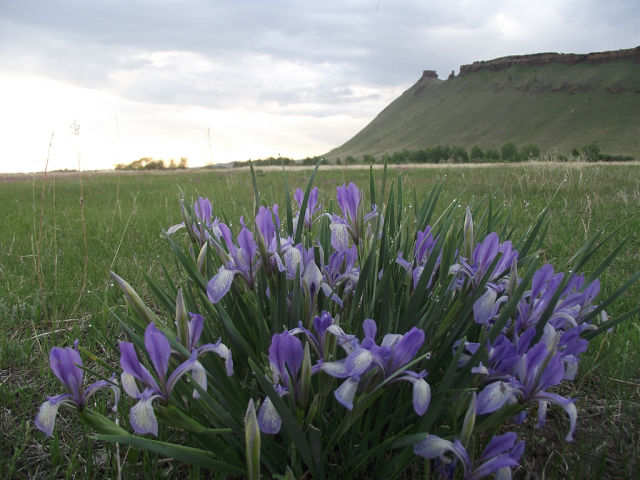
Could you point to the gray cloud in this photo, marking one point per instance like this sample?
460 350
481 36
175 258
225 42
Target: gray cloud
282 54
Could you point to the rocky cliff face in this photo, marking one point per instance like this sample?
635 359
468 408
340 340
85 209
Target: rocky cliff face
629 54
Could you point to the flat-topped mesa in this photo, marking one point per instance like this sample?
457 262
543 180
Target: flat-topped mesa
502 63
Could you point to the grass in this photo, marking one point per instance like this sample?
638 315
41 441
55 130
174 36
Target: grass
45 262
558 107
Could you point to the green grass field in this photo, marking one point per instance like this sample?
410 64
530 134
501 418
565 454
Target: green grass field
62 234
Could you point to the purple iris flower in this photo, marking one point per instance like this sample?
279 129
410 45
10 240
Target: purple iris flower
198 373
317 336
285 358
141 415
574 304
65 364
485 309
525 374
267 227
350 226
518 371
484 254
425 242
238 259
294 258
204 228
314 280
367 356
203 210
502 453
312 206
341 273
534 303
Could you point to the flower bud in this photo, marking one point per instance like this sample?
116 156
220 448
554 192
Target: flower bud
469 421
188 221
202 260
468 234
182 322
134 301
252 442
305 376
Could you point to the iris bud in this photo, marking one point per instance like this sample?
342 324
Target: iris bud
469 421
202 260
134 301
182 322
305 376
252 442
468 234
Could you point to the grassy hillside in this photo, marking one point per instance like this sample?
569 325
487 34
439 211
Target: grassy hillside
556 106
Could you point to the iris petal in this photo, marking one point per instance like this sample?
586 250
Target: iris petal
346 392
222 351
199 375
433 447
65 364
142 417
195 329
494 396
220 284
131 365
158 349
339 236
46 418
421 396
129 385
180 370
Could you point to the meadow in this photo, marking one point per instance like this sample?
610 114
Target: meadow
62 234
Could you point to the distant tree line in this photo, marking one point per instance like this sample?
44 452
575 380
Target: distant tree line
451 154
592 153
148 163
267 162
508 153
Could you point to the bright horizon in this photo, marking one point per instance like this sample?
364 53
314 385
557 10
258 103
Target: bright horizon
112 130
217 83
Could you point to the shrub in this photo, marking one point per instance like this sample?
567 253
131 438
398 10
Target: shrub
459 155
477 155
591 152
509 152
529 152
492 155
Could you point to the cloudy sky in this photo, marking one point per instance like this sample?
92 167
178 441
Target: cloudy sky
217 81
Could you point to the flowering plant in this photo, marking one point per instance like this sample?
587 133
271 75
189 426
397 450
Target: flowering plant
346 343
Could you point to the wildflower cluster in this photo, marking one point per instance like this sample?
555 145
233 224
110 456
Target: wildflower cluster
340 340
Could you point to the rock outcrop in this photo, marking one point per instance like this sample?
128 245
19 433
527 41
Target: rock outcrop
502 63
429 74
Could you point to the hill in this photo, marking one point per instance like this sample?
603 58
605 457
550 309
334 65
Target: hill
557 101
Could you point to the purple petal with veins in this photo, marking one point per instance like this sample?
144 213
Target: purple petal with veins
220 284
65 364
346 392
195 330
158 349
131 365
